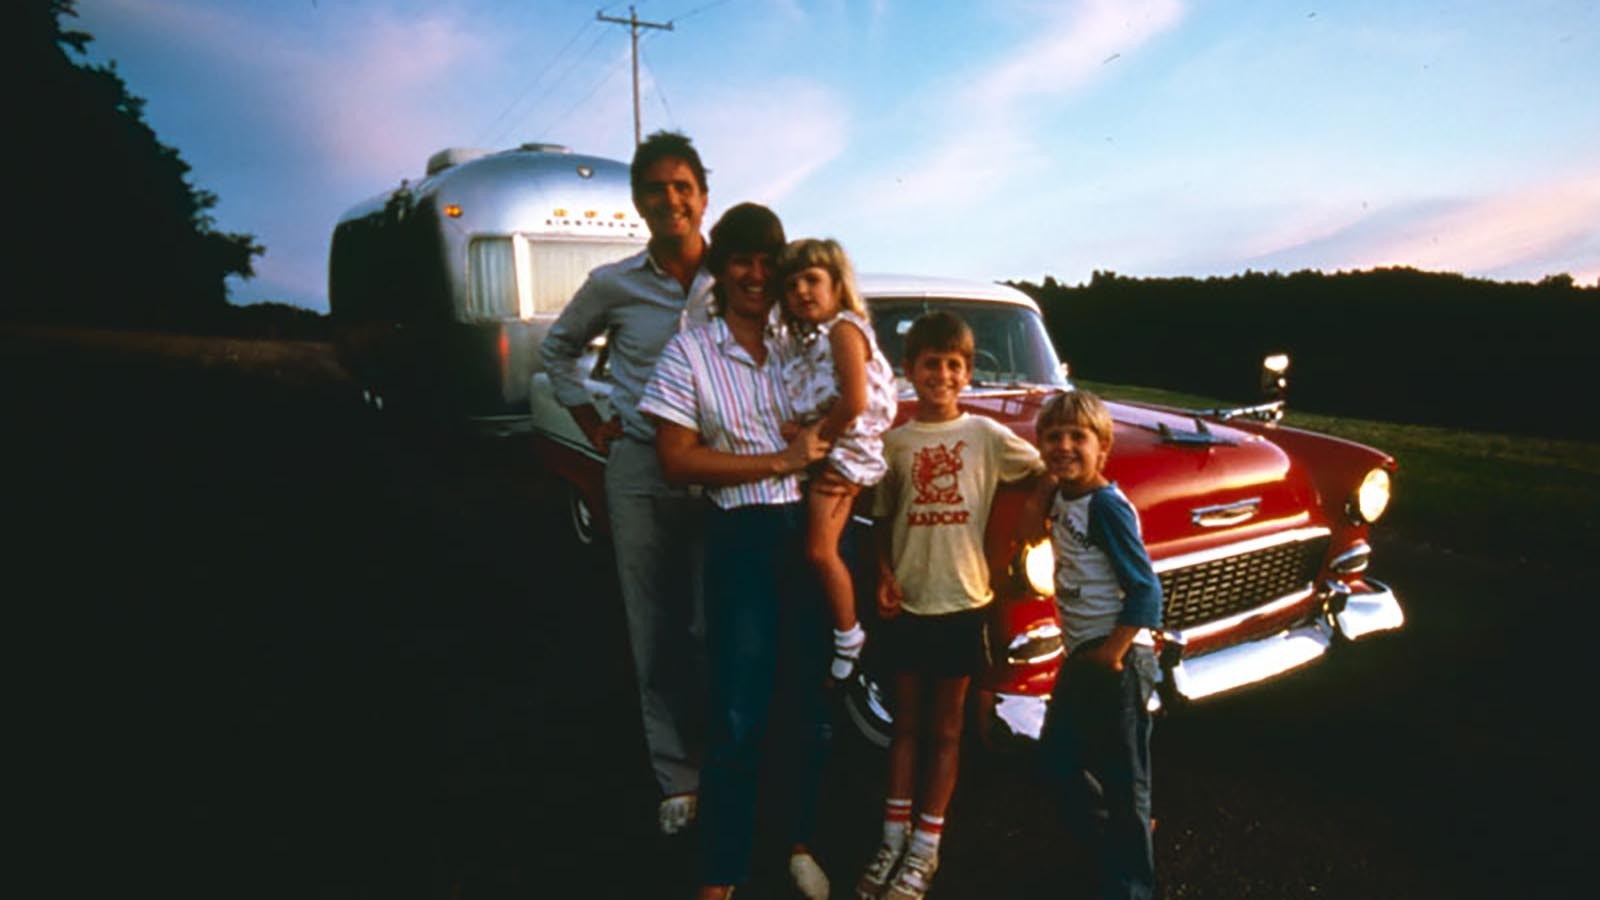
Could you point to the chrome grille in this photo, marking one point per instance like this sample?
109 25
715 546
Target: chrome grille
1223 587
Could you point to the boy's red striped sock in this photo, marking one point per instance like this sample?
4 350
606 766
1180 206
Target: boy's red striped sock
925 840
896 822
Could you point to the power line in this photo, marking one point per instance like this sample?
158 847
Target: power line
604 79
550 88
492 134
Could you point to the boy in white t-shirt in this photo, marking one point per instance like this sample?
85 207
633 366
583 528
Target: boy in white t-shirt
933 586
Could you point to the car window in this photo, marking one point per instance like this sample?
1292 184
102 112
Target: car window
1012 346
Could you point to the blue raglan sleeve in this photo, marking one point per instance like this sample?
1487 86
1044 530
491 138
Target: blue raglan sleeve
1114 527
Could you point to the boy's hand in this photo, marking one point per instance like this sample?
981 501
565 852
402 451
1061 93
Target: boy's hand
1104 656
889 595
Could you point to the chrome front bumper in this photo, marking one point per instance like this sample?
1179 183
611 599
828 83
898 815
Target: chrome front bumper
1349 616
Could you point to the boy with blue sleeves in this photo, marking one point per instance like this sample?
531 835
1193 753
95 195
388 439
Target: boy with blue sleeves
1095 746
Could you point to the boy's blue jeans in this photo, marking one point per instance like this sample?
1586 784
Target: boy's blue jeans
1095 751
768 644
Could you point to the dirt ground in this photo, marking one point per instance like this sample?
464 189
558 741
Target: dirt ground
295 648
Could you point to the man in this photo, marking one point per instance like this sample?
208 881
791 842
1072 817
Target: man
639 303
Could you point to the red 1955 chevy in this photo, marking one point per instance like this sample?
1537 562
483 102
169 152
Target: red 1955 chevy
1257 531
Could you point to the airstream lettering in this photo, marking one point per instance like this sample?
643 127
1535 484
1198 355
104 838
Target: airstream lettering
441 290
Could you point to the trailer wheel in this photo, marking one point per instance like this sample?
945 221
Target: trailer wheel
581 517
867 707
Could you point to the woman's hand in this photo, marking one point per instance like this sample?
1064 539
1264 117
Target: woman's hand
805 448
788 430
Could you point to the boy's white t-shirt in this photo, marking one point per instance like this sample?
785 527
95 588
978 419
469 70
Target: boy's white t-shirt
936 496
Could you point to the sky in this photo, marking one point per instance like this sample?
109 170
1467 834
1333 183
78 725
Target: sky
995 140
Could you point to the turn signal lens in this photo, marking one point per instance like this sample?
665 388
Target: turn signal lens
453 210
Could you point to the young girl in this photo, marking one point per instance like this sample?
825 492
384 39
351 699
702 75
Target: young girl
838 375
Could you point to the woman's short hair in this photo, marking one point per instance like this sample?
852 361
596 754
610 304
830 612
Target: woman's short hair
823 253
745 228
1076 407
940 332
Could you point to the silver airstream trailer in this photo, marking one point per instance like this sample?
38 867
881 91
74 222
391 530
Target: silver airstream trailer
441 290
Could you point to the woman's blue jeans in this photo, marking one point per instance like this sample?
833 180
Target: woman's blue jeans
768 645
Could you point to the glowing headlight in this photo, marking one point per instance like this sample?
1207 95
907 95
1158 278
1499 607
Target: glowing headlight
1039 565
1372 498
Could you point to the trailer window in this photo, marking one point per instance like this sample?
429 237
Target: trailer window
491 279
557 268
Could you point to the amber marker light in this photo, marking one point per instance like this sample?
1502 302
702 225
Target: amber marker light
561 213
453 210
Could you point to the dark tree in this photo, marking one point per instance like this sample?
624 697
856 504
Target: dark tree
111 230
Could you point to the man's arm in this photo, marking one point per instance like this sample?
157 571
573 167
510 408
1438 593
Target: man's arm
566 341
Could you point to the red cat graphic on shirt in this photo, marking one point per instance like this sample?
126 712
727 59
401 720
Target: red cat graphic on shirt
934 471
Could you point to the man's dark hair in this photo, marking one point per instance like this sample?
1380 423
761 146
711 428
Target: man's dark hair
745 228
661 145
941 332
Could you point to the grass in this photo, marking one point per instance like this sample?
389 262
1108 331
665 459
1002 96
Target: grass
1484 494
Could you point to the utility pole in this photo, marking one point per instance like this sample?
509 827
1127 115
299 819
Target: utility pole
633 23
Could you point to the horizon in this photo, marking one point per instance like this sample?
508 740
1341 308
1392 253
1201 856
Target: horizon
1149 138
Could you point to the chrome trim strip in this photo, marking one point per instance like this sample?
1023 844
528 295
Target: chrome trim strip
1359 550
1206 629
1225 514
1292 536
1233 667
1369 612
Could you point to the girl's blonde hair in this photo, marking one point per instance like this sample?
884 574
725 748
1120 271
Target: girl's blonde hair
824 253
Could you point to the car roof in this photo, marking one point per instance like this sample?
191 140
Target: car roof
874 285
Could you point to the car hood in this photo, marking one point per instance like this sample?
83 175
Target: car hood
1196 484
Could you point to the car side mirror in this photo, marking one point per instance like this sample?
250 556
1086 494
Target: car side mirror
1275 377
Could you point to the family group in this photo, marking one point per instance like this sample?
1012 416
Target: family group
751 417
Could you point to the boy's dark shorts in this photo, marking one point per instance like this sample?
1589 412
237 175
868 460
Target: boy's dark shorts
952 645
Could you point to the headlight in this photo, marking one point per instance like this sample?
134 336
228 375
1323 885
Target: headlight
1039 566
1372 498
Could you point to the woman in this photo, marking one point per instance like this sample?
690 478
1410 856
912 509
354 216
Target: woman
718 400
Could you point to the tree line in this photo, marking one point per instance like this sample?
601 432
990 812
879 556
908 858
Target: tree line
1393 344
110 229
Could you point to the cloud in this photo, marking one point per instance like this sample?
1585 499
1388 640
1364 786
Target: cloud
1522 231
763 150
1505 232
981 124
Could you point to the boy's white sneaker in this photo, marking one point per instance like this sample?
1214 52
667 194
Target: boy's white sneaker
875 878
911 880
677 812
808 877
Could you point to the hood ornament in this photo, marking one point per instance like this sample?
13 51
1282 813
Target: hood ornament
1201 436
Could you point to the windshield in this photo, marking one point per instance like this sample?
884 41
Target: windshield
1012 346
